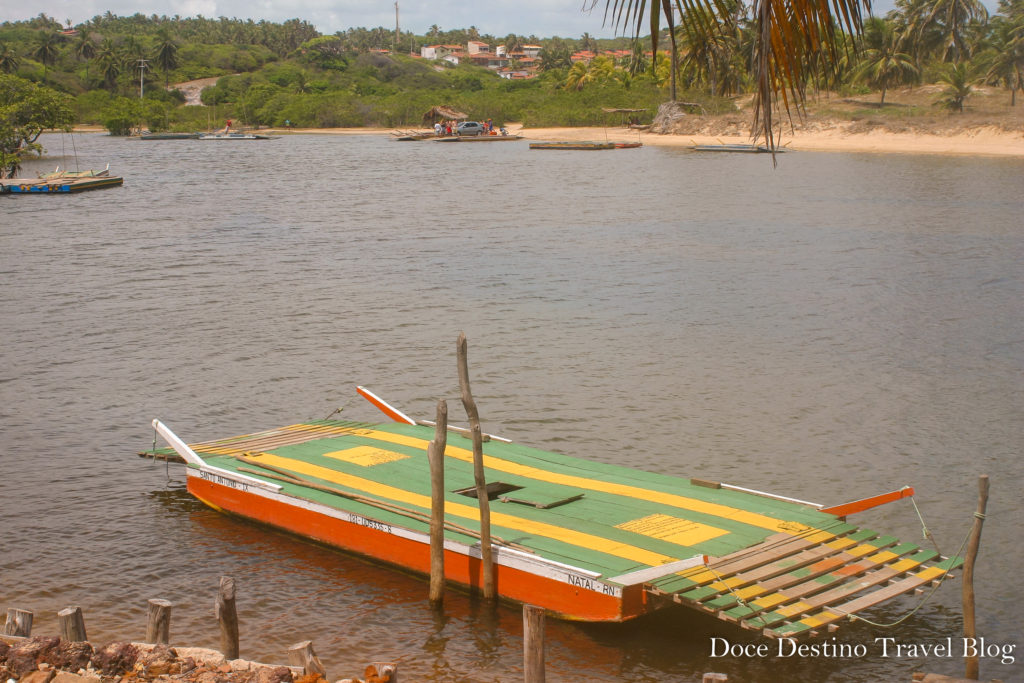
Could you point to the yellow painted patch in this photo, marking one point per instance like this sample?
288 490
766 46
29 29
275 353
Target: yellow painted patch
365 456
672 529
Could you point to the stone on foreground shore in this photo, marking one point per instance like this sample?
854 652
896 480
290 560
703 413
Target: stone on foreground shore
49 659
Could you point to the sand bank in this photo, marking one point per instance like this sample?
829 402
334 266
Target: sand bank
984 141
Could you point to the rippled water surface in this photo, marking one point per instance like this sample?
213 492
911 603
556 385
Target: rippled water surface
836 327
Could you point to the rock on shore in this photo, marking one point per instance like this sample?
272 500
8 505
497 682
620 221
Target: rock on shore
49 659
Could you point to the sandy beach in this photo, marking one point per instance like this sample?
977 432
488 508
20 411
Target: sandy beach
990 141
985 141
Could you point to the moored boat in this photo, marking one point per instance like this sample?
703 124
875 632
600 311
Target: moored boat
169 136
235 136
584 540
59 185
741 148
572 145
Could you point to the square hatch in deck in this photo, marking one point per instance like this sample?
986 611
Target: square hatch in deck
366 456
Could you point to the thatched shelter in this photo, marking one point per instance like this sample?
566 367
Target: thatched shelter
441 113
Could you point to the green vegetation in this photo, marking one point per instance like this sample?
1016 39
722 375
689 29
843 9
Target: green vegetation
26 110
269 73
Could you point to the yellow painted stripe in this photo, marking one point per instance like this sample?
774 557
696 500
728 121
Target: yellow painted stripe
862 550
840 543
770 600
568 536
820 618
674 500
884 556
904 565
795 608
749 592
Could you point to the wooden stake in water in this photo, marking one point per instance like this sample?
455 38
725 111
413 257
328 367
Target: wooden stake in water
478 470
19 622
533 644
227 616
72 624
435 454
158 627
970 627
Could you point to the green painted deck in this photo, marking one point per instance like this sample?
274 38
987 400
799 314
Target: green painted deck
777 566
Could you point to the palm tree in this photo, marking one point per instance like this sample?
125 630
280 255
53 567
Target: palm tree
1003 60
954 16
9 59
787 34
85 50
166 54
882 66
46 49
958 78
109 63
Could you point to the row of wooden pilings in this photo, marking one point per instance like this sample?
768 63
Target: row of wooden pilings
71 627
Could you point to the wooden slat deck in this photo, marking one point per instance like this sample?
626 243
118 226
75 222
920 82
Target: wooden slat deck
788 587
777 567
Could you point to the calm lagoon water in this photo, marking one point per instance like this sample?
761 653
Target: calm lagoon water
836 327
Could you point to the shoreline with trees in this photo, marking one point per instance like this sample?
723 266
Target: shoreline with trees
920 71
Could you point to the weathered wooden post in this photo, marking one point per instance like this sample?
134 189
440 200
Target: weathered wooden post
19 622
301 654
435 454
158 626
533 644
72 624
227 616
970 627
478 469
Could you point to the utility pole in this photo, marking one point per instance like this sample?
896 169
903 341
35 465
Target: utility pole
142 76
396 29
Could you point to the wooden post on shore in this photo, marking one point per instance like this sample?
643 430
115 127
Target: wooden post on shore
158 626
301 654
227 617
533 644
435 454
970 628
478 469
19 622
72 624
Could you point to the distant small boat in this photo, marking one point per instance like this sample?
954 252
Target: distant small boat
628 145
235 136
169 136
748 149
572 145
479 138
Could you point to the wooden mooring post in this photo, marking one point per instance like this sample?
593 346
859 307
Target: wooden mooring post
486 554
301 655
158 625
227 616
72 624
19 622
533 644
970 627
435 454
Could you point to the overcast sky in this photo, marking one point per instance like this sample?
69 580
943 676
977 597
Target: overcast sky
542 18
